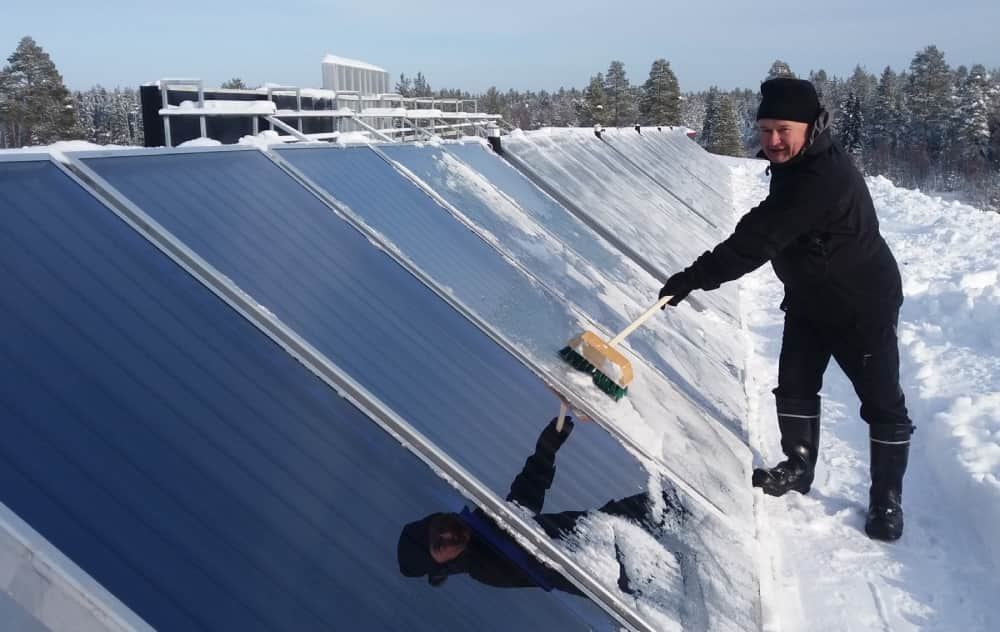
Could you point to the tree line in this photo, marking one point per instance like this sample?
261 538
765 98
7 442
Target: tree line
928 126
36 108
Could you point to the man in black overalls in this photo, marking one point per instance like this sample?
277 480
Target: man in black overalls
843 292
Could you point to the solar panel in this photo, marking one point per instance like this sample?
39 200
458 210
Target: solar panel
703 166
534 319
677 345
584 170
413 350
665 165
571 231
323 278
426 234
190 464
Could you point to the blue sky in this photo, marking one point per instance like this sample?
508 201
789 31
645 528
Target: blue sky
514 44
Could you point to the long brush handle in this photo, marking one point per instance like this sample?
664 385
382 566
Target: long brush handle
562 416
638 321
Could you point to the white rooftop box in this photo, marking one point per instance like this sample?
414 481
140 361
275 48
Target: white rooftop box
340 74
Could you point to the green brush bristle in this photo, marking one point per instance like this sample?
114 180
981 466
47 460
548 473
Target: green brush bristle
576 360
609 386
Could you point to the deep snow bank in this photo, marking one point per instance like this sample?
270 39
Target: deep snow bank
947 253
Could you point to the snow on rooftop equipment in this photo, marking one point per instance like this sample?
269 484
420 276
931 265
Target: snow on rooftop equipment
355 98
340 73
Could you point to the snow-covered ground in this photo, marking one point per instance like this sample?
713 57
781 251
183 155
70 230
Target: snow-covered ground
818 569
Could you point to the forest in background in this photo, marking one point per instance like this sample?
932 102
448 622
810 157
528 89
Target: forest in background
928 126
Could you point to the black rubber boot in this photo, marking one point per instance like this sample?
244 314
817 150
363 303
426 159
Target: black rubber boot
890 450
798 420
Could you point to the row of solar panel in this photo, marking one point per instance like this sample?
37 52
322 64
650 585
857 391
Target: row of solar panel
367 189
292 487
583 168
575 266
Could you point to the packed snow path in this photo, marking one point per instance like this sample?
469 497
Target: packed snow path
818 571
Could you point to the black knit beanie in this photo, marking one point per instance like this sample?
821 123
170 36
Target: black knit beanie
788 99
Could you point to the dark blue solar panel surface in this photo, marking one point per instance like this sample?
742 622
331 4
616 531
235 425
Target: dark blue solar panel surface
188 463
297 258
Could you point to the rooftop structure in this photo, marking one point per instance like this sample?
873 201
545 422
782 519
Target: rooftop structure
342 74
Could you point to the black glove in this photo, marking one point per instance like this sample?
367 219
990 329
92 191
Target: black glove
551 439
678 286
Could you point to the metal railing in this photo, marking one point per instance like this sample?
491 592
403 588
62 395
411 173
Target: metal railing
392 116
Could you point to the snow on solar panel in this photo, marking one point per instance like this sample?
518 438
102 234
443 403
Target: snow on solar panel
666 166
662 232
407 220
675 344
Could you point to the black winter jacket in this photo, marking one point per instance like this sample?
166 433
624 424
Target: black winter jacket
492 556
818 228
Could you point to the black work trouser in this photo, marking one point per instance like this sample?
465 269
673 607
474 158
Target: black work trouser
868 355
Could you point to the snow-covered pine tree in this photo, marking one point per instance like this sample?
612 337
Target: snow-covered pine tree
779 69
660 103
821 82
126 128
693 110
885 126
563 112
711 117
864 86
491 102
109 118
970 136
404 87
993 107
973 129
620 108
725 129
746 103
35 106
544 111
852 128
236 83
593 106
421 87
520 112
958 77
929 98
89 113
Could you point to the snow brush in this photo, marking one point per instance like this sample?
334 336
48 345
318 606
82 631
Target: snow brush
612 371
